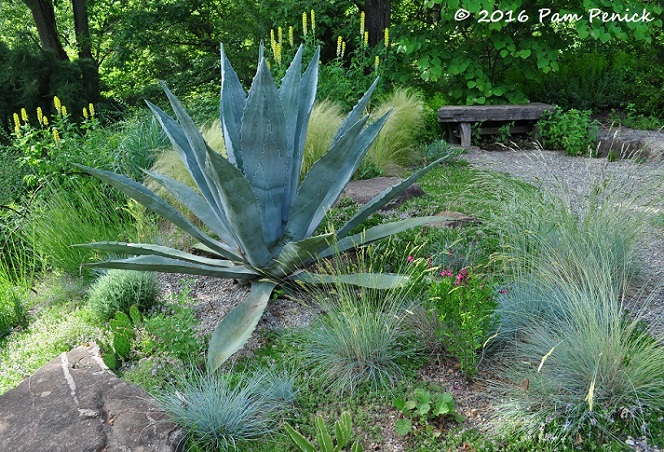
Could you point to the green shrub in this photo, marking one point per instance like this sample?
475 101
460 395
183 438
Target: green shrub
73 213
572 131
118 290
221 411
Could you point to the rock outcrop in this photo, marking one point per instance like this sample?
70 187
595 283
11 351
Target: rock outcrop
75 403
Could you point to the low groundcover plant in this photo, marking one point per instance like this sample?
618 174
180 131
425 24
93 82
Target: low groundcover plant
260 217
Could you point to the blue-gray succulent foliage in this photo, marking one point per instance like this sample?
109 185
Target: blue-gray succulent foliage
260 218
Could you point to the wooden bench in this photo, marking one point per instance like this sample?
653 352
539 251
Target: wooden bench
461 118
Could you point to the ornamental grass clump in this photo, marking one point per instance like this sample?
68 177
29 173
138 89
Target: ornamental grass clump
580 366
259 217
221 411
362 339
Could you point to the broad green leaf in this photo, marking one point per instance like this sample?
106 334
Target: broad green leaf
379 232
343 429
169 265
299 440
324 439
196 205
403 427
233 99
156 204
356 447
387 195
370 280
234 330
265 151
240 207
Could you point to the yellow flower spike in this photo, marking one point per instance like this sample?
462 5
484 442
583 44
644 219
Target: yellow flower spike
45 120
280 35
339 42
343 49
313 21
56 135
56 102
362 24
64 111
17 121
304 24
291 38
366 38
91 109
277 53
85 113
376 62
24 115
386 37
40 114
273 42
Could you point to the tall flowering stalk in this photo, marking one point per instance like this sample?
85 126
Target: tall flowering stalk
291 36
386 37
304 24
362 17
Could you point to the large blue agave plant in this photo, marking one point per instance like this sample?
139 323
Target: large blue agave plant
260 217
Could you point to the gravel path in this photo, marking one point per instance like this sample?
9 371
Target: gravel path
573 177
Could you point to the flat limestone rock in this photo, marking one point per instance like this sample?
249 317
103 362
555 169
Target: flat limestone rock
75 403
363 191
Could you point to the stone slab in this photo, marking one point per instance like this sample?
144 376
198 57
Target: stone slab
75 403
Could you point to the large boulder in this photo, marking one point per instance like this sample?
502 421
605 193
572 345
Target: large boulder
75 403
363 191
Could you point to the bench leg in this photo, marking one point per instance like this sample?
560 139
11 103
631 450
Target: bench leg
464 129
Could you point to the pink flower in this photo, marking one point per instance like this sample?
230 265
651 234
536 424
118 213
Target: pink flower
502 291
410 258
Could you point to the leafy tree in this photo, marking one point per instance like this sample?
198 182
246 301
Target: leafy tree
484 53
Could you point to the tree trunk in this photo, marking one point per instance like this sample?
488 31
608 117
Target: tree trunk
82 29
377 19
44 16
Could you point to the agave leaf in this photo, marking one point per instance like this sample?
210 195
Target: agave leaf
370 280
168 265
378 232
155 250
324 438
313 191
328 176
235 329
233 100
156 204
296 255
357 112
385 197
240 207
300 441
265 151
196 205
192 157
298 94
